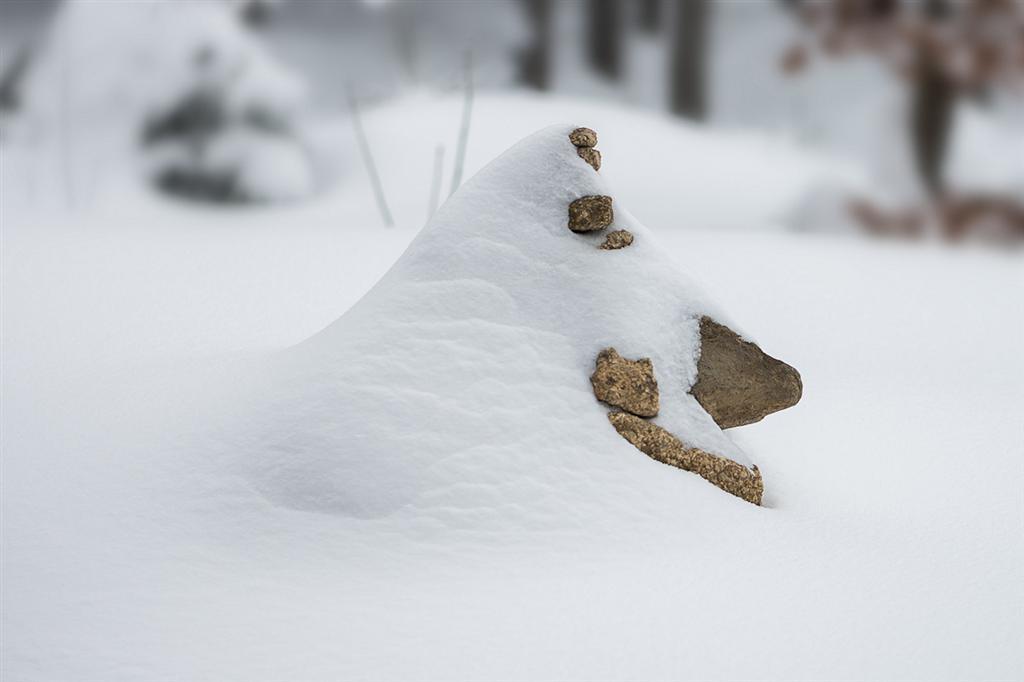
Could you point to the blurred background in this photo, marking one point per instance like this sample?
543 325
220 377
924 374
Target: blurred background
882 117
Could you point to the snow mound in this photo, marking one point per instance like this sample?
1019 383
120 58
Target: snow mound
462 378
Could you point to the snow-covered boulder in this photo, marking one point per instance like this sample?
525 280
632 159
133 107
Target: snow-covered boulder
462 379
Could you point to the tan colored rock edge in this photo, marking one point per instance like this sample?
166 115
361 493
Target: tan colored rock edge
591 156
627 384
590 213
619 239
737 383
659 444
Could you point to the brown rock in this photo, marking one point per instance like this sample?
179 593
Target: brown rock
590 213
659 444
629 384
737 383
619 239
583 137
591 156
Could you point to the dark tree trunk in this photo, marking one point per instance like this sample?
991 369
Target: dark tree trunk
649 15
688 97
932 105
931 121
604 37
535 67
12 81
256 13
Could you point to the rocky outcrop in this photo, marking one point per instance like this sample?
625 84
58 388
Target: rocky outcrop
659 444
594 212
618 239
590 213
585 139
627 384
737 382
631 386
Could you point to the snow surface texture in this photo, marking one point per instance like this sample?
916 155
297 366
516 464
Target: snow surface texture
135 545
467 368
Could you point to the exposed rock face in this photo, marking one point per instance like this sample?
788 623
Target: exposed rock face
737 383
619 239
590 213
628 384
591 156
583 137
659 444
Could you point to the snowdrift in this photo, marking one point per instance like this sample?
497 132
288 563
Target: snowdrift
168 512
461 379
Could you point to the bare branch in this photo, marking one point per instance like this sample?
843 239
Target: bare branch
435 183
371 168
467 113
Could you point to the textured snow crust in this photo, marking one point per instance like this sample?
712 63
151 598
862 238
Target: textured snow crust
467 367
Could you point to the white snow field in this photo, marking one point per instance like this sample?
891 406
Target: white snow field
211 470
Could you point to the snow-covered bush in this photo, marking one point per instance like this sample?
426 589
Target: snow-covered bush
216 115
232 136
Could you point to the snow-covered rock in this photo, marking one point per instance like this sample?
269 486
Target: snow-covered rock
468 363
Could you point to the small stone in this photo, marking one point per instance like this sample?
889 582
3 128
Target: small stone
659 444
619 239
591 156
590 213
583 137
628 384
737 382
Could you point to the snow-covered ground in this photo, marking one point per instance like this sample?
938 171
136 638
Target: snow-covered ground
136 547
